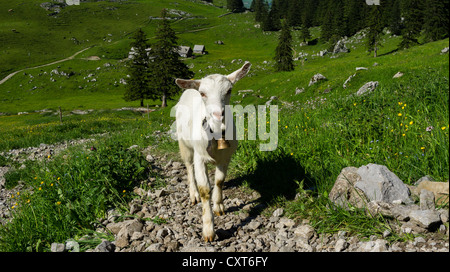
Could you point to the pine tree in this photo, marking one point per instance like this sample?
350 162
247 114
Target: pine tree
339 23
436 19
413 21
258 6
284 52
294 13
353 19
166 65
327 25
304 33
394 19
138 84
273 22
375 24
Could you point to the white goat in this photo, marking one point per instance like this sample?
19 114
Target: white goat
201 124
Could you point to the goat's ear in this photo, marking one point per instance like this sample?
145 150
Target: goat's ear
238 74
188 84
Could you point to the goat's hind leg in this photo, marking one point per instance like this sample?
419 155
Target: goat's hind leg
187 155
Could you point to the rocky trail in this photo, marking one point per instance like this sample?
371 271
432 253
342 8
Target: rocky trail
163 220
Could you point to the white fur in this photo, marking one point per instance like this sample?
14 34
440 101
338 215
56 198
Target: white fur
205 99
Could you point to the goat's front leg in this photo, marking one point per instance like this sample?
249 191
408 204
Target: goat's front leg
193 192
205 195
217 196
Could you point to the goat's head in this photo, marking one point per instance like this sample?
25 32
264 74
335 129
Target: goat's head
215 91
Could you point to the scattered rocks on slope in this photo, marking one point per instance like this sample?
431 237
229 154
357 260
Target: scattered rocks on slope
398 75
316 78
340 47
347 81
367 88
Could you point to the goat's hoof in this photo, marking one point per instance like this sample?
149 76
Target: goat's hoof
209 238
219 209
194 201
219 213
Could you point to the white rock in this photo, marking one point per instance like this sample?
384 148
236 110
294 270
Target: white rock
340 245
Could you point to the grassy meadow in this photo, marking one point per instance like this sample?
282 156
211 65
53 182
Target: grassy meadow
403 124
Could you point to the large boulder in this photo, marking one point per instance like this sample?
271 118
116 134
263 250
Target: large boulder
316 78
367 88
340 47
344 192
358 186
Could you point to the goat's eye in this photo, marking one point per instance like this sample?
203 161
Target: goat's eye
229 91
203 94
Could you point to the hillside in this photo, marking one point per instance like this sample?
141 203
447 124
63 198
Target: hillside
322 128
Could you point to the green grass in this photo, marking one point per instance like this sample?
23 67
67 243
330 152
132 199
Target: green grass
41 38
68 199
64 195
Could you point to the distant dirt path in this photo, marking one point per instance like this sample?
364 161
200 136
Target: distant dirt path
48 64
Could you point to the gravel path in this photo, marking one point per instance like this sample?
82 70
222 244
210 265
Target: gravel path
242 229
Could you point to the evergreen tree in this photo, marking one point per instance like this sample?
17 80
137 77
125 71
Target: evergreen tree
258 7
353 19
137 88
375 24
309 8
413 21
166 65
273 22
294 13
235 5
436 19
284 52
339 23
266 23
304 34
327 25
394 19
